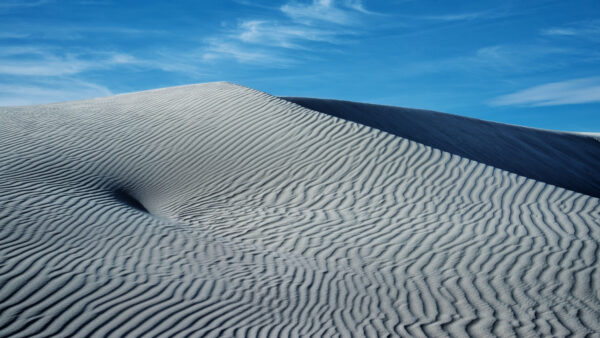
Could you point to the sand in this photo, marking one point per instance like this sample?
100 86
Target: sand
216 210
564 159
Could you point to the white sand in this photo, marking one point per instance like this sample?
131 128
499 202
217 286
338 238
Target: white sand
564 159
216 210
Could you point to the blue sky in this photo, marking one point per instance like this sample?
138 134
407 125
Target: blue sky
534 63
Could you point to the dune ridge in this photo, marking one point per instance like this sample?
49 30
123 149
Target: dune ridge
217 210
567 160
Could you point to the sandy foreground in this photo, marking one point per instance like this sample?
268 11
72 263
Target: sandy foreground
216 210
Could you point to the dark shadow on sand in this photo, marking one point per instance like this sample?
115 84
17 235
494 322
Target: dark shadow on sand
124 197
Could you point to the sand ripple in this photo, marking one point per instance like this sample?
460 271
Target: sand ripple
216 210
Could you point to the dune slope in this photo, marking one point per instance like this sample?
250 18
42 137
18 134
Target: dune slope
567 160
217 210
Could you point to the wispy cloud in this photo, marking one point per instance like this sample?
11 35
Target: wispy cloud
419 20
515 57
557 31
584 90
265 41
95 2
338 12
283 35
73 33
40 61
13 35
586 29
456 16
10 4
52 90
497 58
218 50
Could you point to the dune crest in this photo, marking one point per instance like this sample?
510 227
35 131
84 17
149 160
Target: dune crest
567 160
217 210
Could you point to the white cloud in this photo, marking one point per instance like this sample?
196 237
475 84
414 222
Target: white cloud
13 35
46 68
585 90
9 4
498 58
49 91
265 41
357 5
22 51
94 2
337 12
456 16
218 50
586 29
281 35
418 20
29 61
72 33
517 57
273 41
560 31
39 61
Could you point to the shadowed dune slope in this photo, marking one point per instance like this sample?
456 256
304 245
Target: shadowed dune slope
567 160
215 210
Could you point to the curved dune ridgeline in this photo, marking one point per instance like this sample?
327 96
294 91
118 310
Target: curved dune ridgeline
567 160
217 210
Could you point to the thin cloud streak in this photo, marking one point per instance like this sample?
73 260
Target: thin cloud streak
587 29
342 13
281 35
73 33
12 35
62 90
576 91
266 41
455 17
219 50
37 61
10 4
513 58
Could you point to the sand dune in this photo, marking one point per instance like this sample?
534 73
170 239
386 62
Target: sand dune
563 159
217 210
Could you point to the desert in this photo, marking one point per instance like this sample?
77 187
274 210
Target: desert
218 210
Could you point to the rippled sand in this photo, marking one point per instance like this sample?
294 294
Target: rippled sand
217 210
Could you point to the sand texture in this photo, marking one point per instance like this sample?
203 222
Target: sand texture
216 210
566 160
